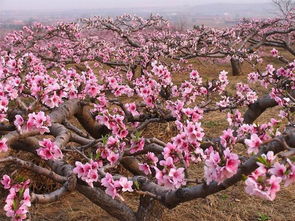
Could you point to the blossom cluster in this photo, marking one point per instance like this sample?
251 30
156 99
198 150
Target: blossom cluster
136 145
36 121
219 167
49 150
162 73
179 111
118 88
11 86
113 122
266 180
170 176
148 89
184 148
3 145
111 149
114 186
151 159
190 89
259 134
88 171
235 119
18 200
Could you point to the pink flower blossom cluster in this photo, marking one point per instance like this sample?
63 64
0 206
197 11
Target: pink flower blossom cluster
11 86
274 52
259 134
101 105
3 145
219 167
235 119
170 176
224 102
272 76
3 107
36 121
186 144
193 131
253 77
148 89
227 139
111 149
92 87
131 107
185 147
151 159
287 73
245 94
10 66
136 145
266 188
285 171
114 123
118 88
196 78
53 88
223 81
265 181
164 76
114 186
49 150
289 173
18 200
188 91
253 144
88 171
180 112
277 95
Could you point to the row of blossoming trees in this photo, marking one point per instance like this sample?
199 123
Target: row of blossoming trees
41 99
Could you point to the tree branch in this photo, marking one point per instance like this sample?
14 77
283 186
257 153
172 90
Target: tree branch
171 198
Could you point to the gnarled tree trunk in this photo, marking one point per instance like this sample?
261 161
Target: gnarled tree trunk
236 66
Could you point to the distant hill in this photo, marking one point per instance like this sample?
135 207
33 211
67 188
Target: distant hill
221 14
239 10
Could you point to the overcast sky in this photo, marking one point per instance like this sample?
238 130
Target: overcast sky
95 4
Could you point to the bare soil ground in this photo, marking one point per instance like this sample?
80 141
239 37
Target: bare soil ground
232 204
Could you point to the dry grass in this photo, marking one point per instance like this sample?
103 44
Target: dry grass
232 204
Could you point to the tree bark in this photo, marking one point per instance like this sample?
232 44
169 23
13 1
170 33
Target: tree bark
257 108
236 66
149 209
114 207
91 126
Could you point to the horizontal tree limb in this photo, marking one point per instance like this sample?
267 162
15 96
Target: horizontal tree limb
35 168
171 198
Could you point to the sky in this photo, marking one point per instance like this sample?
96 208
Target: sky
96 4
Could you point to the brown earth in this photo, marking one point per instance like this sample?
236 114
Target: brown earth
232 204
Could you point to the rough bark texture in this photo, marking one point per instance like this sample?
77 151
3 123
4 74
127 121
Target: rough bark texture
149 209
114 207
86 120
236 66
257 108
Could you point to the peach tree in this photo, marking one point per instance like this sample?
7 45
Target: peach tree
98 114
